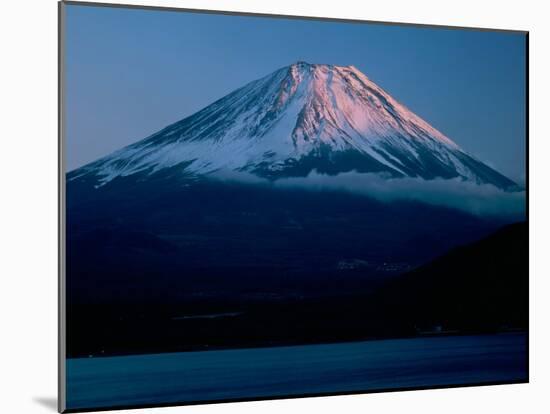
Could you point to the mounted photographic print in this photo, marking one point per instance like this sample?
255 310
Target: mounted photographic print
258 207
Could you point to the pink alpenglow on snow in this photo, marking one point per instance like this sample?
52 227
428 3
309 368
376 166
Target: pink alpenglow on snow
300 119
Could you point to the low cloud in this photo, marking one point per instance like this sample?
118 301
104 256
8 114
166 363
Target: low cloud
478 199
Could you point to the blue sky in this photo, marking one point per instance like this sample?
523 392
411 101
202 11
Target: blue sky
131 72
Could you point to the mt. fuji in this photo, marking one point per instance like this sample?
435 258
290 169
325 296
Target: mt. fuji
296 120
172 246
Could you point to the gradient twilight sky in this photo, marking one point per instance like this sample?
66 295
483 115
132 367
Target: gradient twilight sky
131 72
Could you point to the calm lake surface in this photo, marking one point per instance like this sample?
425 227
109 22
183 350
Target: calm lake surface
269 372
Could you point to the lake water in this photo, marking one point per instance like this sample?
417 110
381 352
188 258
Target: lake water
308 369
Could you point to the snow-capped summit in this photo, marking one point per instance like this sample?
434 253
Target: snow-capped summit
298 119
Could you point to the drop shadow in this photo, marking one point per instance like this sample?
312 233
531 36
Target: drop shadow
48 402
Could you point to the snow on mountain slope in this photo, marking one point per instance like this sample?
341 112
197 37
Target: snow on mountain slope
298 119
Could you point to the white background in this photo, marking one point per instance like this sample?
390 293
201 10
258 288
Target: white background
28 204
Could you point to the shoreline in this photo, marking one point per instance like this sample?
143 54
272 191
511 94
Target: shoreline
290 344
